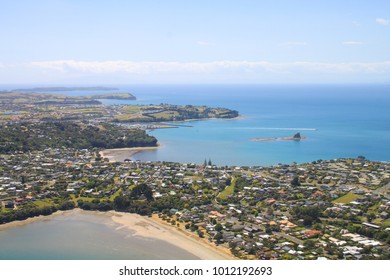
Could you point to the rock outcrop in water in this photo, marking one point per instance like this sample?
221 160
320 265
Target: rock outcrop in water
296 137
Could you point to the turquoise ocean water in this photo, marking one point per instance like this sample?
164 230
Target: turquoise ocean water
338 120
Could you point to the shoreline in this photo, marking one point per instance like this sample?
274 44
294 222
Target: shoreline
144 227
120 154
36 219
154 227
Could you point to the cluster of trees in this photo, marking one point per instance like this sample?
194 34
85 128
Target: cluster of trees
309 214
139 200
29 212
95 205
37 136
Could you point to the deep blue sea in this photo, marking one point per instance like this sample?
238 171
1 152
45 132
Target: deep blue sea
338 120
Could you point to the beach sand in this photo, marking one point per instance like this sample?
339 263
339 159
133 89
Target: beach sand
116 155
147 227
155 228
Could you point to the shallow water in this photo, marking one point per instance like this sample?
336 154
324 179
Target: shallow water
80 235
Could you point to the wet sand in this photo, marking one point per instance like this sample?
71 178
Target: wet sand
156 228
146 227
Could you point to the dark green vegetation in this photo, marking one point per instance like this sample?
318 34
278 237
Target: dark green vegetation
38 136
33 210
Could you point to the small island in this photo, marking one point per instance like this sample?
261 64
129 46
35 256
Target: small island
296 137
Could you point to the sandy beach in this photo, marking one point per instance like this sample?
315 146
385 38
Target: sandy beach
156 228
121 154
147 227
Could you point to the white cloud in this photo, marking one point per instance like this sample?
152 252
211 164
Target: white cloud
224 71
156 67
352 43
382 21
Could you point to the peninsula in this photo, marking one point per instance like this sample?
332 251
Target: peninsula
32 106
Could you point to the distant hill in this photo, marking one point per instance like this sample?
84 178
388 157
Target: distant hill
48 89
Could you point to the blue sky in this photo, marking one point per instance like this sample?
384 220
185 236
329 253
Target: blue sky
246 41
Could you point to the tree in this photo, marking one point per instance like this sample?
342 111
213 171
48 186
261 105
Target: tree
218 237
218 227
295 182
142 189
309 244
121 202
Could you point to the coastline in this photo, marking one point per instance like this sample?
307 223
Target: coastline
36 219
145 227
153 227
120 154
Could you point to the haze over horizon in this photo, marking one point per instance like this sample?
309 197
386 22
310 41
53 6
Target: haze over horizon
238 42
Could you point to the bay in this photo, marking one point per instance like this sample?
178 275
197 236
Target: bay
339 121
79 235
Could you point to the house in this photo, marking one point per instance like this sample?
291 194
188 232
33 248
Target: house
8 204
371 225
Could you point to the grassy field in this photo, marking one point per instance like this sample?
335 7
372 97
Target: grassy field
43 203
228 190
349 197
117 193
128 117
133 108
166 115
386 223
